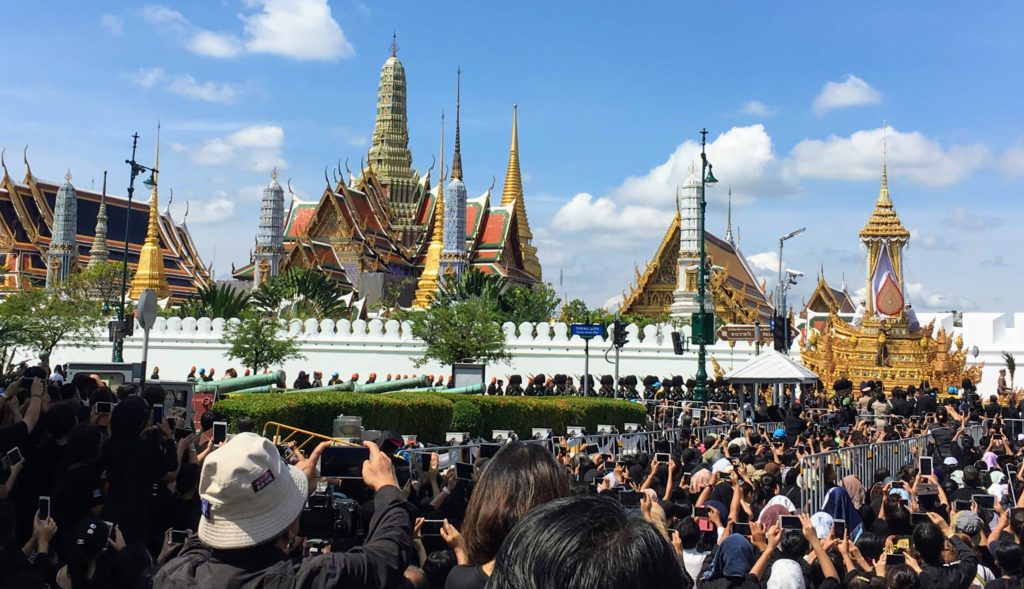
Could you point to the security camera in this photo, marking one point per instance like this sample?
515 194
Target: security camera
794 273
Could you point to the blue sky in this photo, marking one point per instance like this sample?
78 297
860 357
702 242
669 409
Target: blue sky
610 103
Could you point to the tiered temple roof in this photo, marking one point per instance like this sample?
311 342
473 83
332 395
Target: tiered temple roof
737 295
376 222
26 221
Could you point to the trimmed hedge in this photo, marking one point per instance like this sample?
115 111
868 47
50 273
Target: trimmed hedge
430 415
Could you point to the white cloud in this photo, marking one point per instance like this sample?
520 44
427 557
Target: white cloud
756 108
298 29
927 241
148 77
963 219
186 86
1012 162
742 158
211 44
113 24
913 156
995 261
215 209
256 148
210 211
584 213
852 91
765 261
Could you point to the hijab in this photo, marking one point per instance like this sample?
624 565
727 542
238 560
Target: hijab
786 574
771 513
783 501
839 505
734 558
699 480
854 487
990 459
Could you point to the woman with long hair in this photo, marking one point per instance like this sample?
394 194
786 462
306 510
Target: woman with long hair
521 476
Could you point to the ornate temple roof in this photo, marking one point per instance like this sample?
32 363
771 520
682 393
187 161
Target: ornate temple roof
26 218
826 299
652 292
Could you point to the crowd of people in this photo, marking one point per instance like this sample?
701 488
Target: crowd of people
113 488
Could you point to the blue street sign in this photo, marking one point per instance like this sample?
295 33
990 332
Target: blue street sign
587 330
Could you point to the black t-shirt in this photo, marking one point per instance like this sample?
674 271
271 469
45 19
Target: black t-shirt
13 435
77 490
466 577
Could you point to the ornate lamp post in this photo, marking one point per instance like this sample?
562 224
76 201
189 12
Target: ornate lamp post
120 329
703 322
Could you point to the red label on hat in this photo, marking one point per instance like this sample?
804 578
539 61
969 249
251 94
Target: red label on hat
264 479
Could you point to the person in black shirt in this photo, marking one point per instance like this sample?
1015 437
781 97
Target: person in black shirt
77 490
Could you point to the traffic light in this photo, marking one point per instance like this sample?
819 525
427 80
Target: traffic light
619 336
678 346
780 332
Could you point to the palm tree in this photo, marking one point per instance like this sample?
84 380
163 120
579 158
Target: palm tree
216 300
300 293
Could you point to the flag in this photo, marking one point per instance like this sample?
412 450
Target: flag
886 291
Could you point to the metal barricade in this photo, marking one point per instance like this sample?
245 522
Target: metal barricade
861 461
1013 428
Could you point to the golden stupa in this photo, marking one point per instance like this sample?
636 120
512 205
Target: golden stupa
149 273
883 342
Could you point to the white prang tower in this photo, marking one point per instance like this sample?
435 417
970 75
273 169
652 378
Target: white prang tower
684 299
270 236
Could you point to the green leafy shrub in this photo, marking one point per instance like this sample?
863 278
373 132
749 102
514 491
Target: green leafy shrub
430 415
467 417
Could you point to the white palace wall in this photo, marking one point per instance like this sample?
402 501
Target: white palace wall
388 347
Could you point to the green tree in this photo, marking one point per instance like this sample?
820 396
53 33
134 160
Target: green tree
536 303
300 293
66 314
472 284
256 341
101 282
574 311
216 300
460 331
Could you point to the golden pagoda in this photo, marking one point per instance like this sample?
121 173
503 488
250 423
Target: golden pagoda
431 278
150 272
884 342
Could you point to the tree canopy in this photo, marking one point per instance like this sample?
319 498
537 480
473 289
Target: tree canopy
460 331
256 340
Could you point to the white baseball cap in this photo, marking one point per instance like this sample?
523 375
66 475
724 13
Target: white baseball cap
249 494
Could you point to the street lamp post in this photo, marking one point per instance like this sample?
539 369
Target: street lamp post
781 316
707 178
136 169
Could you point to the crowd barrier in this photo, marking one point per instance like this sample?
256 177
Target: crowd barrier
861 461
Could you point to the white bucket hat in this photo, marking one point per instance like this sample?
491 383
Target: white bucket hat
249 494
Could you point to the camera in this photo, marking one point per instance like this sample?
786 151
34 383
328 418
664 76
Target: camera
331 517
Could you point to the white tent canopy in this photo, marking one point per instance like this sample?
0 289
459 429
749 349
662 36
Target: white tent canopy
771 367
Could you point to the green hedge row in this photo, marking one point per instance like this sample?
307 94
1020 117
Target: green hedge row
430 415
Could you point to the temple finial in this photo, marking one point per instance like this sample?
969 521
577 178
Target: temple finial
457 158
67 176
513 176
273 174
728 220
394 44
885 155
693 168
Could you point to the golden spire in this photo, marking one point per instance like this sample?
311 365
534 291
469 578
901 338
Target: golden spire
430 279
884 223
728 221
883 193
457 159
149 272
513 177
